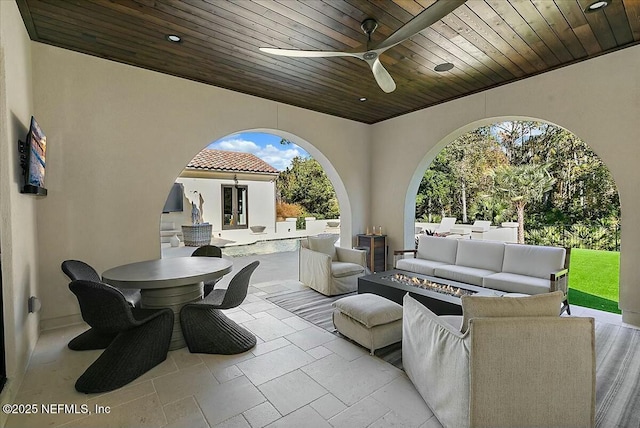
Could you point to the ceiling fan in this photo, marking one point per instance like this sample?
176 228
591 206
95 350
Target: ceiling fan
370 54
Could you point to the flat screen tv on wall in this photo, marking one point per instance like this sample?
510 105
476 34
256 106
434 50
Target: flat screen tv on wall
174 200
34 153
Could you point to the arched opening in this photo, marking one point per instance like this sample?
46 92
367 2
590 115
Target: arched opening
535 183
231 187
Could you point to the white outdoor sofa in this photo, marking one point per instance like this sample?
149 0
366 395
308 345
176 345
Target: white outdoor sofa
512 268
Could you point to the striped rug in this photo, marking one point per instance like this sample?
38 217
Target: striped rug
617 358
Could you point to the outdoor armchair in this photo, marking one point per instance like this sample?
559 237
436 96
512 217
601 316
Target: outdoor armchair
503 371
328 269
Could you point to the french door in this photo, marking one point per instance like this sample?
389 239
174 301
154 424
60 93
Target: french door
234 207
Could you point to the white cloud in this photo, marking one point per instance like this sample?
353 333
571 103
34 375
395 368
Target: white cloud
277 156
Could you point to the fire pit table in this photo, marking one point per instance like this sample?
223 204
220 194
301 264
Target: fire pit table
441 296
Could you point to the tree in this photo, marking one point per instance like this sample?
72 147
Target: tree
306 184
522 185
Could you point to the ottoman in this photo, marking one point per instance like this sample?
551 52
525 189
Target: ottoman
368 319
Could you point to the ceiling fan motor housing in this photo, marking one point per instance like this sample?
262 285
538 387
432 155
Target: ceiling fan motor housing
369 25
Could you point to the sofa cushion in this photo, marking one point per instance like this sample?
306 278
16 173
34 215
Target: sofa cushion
342 269
464 274
325 245
533 260
480 254
541 305
437 249
369 309
425 267
514 283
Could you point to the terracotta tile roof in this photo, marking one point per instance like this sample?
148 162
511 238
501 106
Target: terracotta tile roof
219 160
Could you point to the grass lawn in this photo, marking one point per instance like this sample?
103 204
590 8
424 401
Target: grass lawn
594 279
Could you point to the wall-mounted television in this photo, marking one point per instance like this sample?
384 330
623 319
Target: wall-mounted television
33 159
174 201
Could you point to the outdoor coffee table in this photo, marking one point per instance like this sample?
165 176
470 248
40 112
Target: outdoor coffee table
387 285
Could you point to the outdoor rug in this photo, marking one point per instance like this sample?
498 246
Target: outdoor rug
617 357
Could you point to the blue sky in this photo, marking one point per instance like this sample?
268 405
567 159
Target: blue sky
265 146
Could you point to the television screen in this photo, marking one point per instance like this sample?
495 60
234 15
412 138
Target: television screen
37 147
174 201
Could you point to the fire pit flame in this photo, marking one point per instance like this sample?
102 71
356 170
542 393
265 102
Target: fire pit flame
428 285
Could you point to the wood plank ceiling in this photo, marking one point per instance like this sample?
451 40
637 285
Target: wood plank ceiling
490 43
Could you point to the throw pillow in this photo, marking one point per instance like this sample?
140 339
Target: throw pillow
323 245
547 304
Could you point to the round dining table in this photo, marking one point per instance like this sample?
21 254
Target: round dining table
169 283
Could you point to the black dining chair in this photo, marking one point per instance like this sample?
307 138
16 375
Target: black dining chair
208 251
90 339
141 336
207 330
76 269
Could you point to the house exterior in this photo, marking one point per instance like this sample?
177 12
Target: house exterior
238 190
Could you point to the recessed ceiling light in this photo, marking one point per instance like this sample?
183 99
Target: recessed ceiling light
173 38
443 67
363 99
597 5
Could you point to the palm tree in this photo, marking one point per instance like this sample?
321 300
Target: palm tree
522 184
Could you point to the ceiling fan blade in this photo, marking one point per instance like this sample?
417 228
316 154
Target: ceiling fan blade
307 54
424 19
382 76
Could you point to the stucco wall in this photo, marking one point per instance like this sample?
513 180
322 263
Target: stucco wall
18 240
261 201
598 100
118 136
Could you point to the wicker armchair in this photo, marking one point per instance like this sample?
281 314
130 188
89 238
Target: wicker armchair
207 330
141 339
208 251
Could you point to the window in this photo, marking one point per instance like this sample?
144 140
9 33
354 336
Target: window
234 207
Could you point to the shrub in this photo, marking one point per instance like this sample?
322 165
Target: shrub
288 210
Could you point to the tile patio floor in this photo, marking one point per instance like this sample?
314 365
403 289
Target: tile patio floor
297 376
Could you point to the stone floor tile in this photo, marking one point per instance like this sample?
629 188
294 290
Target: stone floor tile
291 391
433 422
401 396
297 322
271 365
346 349
229 399
184 413
268 328
184 383
272 345
225 374
234 422
310 338
319 352
328 406
257 306
351 381
183 358
280 313
262 415
305 417
360 415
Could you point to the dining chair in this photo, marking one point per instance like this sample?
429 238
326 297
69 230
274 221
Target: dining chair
141 336
207 330
90 339
76 269
208 251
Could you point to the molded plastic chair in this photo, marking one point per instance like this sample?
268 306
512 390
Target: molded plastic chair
91 339
141 341
207 330
208 251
